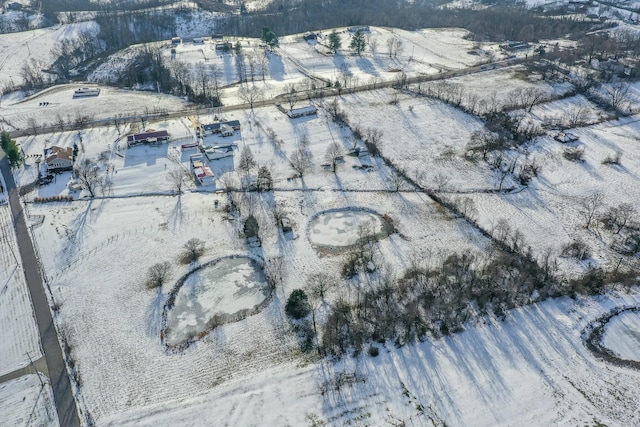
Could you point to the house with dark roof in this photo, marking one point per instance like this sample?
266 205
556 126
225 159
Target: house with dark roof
212 128
150 137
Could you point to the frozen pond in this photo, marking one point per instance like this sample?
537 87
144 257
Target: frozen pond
345 227
218 292
622 335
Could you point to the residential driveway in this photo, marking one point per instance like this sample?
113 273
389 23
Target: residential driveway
62 392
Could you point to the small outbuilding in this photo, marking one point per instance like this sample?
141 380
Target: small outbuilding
204 175
309 110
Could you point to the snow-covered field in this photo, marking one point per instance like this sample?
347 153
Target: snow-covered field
25 402
18 332
113 309
532 369
50 106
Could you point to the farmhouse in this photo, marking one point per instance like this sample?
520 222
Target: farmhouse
147 137
58 159
200 40
213 128
309 110
176 41
204 175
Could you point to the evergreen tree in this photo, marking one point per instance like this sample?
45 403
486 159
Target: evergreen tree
237 48
269 37
334 41
358 43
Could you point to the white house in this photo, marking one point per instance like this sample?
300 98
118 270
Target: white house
58 159
226 130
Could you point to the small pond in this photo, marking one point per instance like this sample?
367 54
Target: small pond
343 228
622 335
218 292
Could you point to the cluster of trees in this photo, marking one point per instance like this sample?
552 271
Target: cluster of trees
427 300
10 148
69 53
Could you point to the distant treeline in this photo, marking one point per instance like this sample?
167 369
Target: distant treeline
496 23
119 29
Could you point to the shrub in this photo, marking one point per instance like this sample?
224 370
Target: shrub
577 249
297 304
373 351
613 159
574 154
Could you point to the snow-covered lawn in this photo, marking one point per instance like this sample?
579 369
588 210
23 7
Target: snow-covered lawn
18 333
25 402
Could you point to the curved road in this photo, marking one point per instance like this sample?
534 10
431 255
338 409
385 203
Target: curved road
62 391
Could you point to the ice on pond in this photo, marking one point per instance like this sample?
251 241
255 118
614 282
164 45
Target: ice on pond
224 287
622 335
345 227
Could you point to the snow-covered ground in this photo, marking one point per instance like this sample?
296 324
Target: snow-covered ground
622 335
18 49
50 106
532 369
25 402
18 333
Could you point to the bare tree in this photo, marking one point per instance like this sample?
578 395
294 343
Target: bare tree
158 274
617 95
177 177
575 116
483 142
88 175
530 97
334 153
60 122
193 249
373 44
619 216
250 94
589 207
291 95
320 284
394 47
229 181
300 161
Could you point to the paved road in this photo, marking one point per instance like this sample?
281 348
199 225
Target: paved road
62 392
